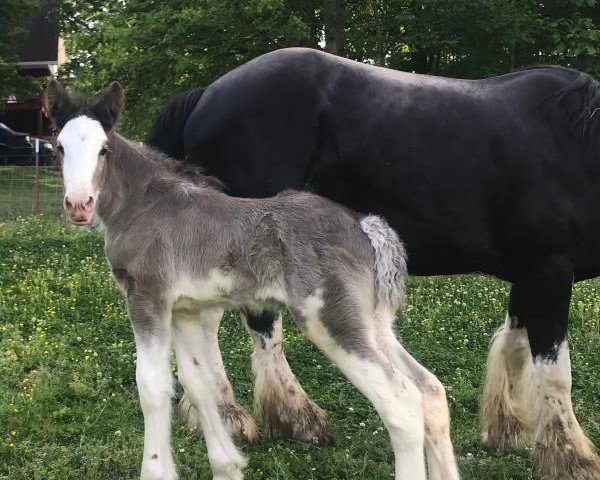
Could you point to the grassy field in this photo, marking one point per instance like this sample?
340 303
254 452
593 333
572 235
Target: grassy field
17 191
68 402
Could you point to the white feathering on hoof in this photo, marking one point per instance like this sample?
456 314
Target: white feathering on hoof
390 261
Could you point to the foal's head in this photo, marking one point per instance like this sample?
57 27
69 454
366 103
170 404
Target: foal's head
84 124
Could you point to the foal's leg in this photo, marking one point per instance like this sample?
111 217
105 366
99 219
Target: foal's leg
238 421
347 337
441 464
152 329
280 403
196 371
541 394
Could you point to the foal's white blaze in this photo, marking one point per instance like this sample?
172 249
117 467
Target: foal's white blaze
82 139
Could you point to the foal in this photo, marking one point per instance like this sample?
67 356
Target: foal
178 248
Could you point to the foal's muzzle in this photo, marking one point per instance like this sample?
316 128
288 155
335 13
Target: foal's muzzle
79 209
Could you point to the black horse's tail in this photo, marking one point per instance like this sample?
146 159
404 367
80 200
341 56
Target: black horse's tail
166 133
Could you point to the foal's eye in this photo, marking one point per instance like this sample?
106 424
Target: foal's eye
103 151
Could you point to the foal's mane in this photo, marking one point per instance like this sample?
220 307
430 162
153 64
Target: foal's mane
157 160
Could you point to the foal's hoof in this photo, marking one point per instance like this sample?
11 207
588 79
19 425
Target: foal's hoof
230 469
155 471
302 420
238 422
233 475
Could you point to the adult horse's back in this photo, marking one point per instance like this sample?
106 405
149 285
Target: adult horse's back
498 176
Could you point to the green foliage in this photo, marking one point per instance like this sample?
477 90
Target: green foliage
13 29
158 48
13 23
475 38
68 401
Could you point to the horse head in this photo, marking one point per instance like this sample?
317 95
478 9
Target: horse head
82 144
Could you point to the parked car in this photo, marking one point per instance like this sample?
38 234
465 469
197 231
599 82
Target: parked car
17 148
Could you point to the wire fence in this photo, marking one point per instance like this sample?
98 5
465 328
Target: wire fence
23 192
17 155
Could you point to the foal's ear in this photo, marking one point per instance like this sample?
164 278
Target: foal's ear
110 105
57 103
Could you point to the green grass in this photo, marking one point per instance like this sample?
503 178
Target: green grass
68 402
17 191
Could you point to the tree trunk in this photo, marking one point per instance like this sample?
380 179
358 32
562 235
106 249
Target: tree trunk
420 62
333 19
379 37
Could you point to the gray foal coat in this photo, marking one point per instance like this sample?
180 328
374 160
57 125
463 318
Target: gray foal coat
175 238
180 250
177 246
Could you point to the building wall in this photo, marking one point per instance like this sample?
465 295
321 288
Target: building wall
40 55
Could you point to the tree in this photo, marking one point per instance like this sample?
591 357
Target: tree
158 48
13 29
333 19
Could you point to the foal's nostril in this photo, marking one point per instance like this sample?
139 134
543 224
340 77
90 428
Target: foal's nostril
78 204
89 205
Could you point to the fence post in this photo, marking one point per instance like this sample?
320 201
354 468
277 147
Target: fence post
36 185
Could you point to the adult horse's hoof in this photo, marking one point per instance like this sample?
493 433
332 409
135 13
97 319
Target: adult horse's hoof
239 423
503 431
561 458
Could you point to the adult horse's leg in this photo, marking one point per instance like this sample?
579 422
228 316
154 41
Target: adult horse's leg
196 370
537 389
501 414
280 403
238 421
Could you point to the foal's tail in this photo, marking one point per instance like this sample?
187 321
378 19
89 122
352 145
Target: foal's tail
390 262
166 133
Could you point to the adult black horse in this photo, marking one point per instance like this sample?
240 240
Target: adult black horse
500 176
